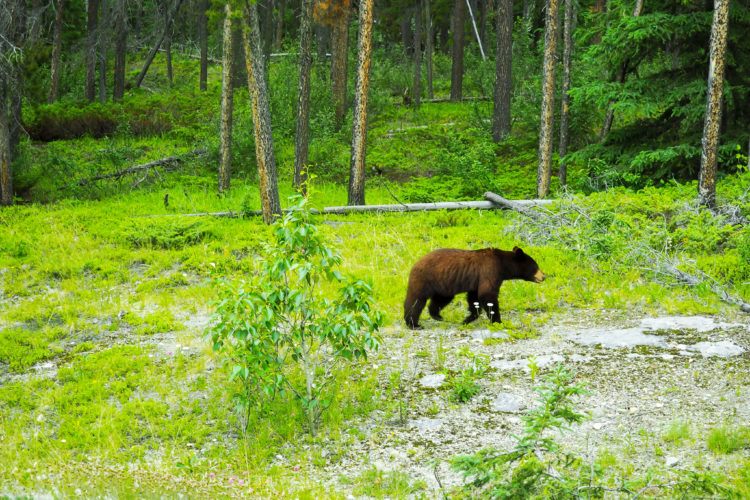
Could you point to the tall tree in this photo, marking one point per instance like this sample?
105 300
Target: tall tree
503 69
279 31
168 50
417 84
359 134
171 13
54 87
101 48
92 20
565 105
258 90
428 48
710 141
6 182
457 66
339 59
302 139
203 42
121 49
548 100
227 102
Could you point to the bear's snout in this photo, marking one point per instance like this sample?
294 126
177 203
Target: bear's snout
539 276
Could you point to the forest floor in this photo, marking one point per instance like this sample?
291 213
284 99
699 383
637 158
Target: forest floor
655 386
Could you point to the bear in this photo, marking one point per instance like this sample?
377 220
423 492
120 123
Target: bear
442 274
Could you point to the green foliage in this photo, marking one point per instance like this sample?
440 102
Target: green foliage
464 385
166 233
375 483
522 472
728 439
283 320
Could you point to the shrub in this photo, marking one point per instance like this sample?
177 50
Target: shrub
281 332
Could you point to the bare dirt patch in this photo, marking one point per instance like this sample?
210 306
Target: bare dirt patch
642 375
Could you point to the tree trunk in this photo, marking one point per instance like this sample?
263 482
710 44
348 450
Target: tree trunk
503 70
279 33
91 36
359 134
302 139
428 48
54 88
622 74
150 58
340 48
227 95
322 37
457 67
710 141
256 82
417 84
102 46
482 7
565 106
548 100
203 41
121 49
6 183
168 54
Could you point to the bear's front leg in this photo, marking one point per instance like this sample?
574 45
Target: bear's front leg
473 299
489 301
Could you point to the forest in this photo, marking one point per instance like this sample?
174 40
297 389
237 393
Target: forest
210 211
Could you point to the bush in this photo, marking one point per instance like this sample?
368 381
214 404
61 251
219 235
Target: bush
281 332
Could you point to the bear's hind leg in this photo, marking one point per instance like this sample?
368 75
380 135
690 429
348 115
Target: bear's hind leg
493 310
437 303
472 298
412 310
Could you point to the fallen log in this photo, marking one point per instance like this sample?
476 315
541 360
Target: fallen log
521 206
170 163
403 207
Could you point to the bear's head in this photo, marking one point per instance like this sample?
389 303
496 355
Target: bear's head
526 267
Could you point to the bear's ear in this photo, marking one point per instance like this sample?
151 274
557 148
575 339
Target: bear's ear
517 251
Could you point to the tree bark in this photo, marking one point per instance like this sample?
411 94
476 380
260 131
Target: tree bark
150 58
457 67
6 182
565 105
121 49
340 48
548 100
359 134
227 102
168 52
101 48
503 70
710 141
54 88
417 84
302 139
256 82
203 41
428 48
91 36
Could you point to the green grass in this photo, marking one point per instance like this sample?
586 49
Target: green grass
727 439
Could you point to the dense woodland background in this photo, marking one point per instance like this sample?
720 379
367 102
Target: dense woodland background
622 99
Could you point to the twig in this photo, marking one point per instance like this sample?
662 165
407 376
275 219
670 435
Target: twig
167 162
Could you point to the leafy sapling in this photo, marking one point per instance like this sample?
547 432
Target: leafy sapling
295 321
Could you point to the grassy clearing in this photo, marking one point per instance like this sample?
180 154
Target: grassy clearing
114 295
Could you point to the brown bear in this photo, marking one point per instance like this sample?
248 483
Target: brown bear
442 274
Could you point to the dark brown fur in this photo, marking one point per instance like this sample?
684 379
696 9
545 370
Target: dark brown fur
442 274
